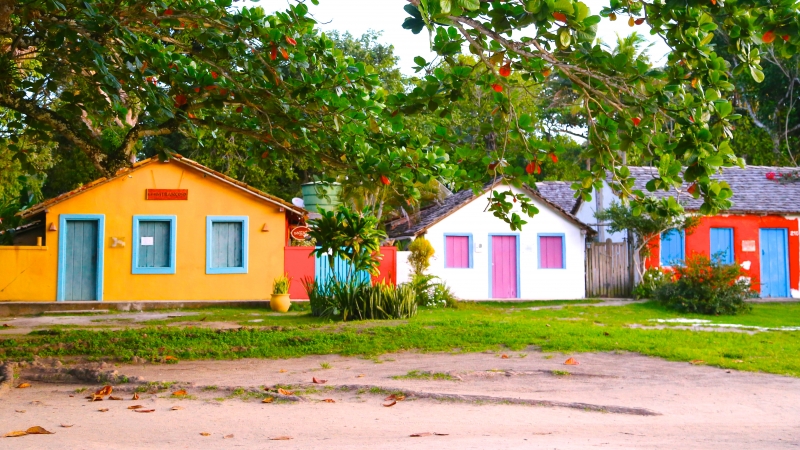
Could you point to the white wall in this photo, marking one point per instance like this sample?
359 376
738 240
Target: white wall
587 209
403 267
535 283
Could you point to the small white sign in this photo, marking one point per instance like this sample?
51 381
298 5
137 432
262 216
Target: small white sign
748 246
147 240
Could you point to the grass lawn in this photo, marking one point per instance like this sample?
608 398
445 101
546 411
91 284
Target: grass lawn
470 328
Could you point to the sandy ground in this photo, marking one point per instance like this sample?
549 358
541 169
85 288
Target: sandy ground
696 406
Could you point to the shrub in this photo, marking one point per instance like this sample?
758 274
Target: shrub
706 287
421 253
355 299
281 285
432 293
652 279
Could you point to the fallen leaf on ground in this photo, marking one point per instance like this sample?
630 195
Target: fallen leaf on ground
63 425
571 362
170 358
15 434
504 356
285 392
422 434
135 407
329 400
281 438
20 410
135 396
103 409
5 325
229 436
96 398
37 430
144 410
176 408
398 397
442 434
392 403
697 361
268 400
361 375
205 434
23 385
105 391
203 319
316 381
180 393
111 397
281 371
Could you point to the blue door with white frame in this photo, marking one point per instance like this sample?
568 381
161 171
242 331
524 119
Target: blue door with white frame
722 245
774 262
80 257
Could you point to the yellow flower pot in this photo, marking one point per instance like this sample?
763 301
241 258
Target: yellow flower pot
280 302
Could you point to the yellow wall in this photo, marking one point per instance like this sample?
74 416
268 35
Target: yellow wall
124 197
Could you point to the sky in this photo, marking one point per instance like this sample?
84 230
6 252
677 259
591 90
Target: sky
358 16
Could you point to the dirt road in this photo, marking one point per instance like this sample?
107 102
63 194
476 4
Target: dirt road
608 401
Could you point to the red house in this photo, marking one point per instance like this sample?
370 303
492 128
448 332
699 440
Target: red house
759 232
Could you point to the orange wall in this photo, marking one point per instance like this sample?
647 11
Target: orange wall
124 197
745 228
27 273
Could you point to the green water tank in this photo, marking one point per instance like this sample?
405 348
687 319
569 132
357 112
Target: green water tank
321 196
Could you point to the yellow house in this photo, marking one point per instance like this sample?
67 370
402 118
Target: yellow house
173 230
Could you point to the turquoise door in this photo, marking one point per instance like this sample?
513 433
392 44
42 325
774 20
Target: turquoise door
80 275
774 262
722 245
342 269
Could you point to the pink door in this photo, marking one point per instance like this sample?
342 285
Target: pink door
504 267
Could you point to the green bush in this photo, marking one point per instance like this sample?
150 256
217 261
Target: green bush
355 299
652 279
706 287
432 293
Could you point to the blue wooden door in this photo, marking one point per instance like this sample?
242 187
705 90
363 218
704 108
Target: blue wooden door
504 267
81 261
774 262
341 268
722 245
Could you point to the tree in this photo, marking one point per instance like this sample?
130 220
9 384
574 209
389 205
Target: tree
643 227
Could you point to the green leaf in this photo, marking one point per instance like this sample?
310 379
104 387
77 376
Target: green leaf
723 108
714 161
445 4
420 61
564 37
757 74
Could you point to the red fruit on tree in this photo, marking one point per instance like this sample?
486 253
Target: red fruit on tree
239 109
530 168
385 180
505 70
636 121
290 41
197 89
284 53
768 37
214 75
714 2
559 16
273 53
546 72
168 12
785 38
639 21
692 189
180 99
554 157
192 116
497 88
770 175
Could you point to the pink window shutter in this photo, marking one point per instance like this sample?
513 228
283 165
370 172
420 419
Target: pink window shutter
551 252
457 249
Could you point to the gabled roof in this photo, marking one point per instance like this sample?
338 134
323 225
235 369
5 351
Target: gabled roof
426 218
560 193
753 193
176 158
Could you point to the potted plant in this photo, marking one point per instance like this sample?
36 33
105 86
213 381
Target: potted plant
280 294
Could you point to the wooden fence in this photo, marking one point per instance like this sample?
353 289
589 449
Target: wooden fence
608 269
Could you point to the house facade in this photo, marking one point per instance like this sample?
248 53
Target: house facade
759 232
171 230
480 257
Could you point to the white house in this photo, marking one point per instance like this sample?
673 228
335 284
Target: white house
480 257
562 194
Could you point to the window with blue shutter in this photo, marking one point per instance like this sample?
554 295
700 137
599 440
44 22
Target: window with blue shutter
721 240
672 248
226 244
154 244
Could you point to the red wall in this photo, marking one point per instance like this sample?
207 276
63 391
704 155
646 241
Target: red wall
745 228
299 264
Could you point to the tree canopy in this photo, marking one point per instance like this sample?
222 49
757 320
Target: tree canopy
106 76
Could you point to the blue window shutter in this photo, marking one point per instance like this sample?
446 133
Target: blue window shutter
721 241
672 247
158 254
226 244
